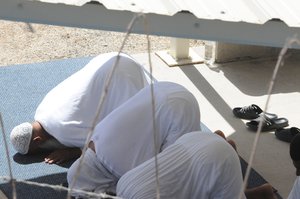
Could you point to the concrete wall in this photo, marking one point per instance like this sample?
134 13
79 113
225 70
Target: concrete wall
227 52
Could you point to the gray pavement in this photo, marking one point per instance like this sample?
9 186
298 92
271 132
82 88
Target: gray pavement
220 88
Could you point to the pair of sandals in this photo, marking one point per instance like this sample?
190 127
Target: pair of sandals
270 122
255 114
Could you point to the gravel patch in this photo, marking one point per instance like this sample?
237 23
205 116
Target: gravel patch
22 43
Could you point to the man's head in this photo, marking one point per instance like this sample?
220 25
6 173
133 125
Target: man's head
295 153
28 137
20 137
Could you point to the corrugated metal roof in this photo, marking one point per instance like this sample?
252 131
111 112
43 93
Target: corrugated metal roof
232 21
249 11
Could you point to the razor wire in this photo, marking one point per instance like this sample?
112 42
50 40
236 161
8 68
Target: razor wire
8 159
103 96
99 107
280 62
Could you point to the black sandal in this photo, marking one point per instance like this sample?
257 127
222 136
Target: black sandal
268 123
287 134
251 112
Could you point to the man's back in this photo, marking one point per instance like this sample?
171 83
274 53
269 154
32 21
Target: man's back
197 165
67 112
124 139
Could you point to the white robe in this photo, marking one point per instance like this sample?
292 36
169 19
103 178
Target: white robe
295 192
93 176
67 112
197 165
124 139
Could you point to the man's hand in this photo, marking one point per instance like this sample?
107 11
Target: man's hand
63 155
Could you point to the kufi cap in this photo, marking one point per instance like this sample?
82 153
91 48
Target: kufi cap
20 137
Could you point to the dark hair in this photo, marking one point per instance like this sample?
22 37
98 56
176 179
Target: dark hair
295 148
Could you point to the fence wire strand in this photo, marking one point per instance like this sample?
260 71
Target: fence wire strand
101 102
280 62
11 179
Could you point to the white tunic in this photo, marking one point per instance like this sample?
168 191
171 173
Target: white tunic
124 139
295 192
197 165
67 112
93 176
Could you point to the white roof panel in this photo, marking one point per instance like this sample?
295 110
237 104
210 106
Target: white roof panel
249 11
253 22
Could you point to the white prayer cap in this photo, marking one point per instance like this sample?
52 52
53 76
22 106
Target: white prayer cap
20 137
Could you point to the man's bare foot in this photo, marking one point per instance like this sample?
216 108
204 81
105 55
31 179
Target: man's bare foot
231 142
264 191
220 133
63 155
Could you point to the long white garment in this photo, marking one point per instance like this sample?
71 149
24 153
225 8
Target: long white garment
197 165
295 192
124 139
68 110
93 176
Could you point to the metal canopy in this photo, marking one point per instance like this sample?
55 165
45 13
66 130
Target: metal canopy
182 24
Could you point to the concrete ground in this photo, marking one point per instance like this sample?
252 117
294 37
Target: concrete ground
220 88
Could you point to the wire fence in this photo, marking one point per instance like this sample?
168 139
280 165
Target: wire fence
280 62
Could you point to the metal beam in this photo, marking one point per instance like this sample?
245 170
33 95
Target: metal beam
181 25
